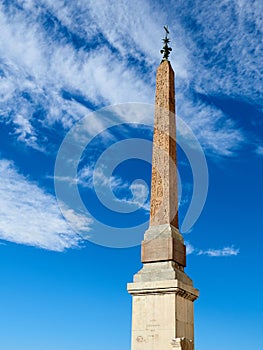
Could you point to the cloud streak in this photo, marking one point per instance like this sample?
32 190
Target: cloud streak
114 191
30 216
66 68
222 252
226 251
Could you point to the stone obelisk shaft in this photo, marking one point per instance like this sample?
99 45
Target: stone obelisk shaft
162 241
164 195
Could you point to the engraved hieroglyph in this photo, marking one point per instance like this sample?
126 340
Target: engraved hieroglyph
164 197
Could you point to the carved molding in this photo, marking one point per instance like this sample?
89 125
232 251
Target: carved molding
181 290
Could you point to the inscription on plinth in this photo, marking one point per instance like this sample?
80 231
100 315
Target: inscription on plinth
162 313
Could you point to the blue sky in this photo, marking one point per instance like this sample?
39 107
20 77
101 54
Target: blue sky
59 62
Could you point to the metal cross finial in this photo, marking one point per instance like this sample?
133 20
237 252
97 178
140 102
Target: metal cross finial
166 49
166 29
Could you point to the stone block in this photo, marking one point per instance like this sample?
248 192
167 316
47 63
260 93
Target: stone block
164 249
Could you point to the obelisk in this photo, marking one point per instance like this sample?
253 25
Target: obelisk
162 293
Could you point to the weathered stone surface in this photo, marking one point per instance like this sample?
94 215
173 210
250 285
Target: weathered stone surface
163 243
162 271
182 344
162 312
163 249
165 230
164 286
164 197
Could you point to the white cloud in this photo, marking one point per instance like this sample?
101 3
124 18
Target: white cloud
213 130
43 68
29 215
189 248
140 192
226 251
259 150
227 46
38 61
116 193
88 178
25 131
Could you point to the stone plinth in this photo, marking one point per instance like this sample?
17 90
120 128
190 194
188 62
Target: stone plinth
163 294
162 313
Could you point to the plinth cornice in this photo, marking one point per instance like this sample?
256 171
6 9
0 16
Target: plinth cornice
163 287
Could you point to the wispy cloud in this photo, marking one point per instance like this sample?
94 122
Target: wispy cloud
190 249
259 150
118 193
43 72
29 215
102 57
216 133
25 131
227 45
226 251
222 252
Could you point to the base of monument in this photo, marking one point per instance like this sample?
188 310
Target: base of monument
163 315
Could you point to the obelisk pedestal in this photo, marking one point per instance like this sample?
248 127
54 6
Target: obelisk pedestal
162 293
163 296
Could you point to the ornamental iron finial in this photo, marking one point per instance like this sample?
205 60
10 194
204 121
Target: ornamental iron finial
166 49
